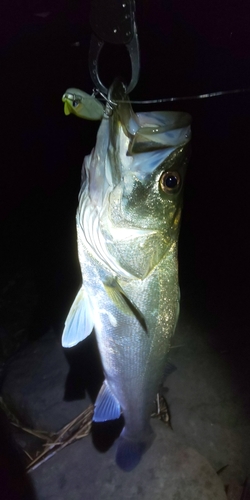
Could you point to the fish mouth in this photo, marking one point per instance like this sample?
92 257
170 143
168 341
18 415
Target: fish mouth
142 141
148 130
121 109
131 145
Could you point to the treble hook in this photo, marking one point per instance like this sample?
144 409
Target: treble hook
113 21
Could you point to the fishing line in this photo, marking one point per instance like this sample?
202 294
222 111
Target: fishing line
182 98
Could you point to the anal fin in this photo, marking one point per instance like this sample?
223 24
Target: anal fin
106 406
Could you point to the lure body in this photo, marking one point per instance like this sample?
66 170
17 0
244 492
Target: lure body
81 104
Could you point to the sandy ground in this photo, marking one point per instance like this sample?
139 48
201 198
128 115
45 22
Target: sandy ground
210 427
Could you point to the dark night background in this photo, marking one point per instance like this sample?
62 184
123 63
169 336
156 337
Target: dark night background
187 48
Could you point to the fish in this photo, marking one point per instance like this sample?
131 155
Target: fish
128 222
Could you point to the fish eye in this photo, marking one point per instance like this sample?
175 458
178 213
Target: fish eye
170 181
75 103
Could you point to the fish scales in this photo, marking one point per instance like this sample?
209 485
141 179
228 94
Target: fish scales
128 224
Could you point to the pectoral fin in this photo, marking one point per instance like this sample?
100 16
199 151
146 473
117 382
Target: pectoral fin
122 302
106 406
79 323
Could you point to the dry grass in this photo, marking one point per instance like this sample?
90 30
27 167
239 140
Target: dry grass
78 428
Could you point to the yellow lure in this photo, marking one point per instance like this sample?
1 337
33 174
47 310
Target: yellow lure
81 104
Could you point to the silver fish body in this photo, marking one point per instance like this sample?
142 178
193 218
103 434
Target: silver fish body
128 224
